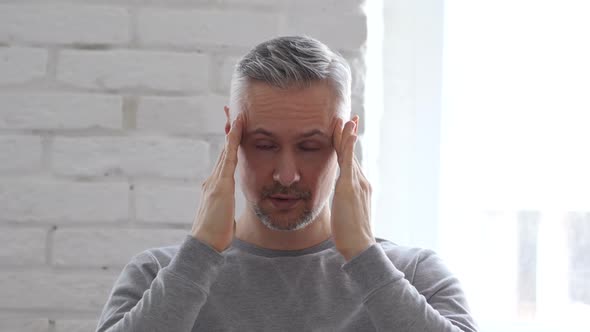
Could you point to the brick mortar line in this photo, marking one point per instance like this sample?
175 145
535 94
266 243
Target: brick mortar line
99 225
199 48
272 7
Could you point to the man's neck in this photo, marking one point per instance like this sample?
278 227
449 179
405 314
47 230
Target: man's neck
250 229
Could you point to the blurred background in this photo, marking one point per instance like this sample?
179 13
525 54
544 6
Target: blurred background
475 124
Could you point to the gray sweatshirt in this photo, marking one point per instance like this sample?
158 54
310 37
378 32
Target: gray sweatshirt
192 287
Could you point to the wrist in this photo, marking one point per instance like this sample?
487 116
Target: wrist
204 239
349 254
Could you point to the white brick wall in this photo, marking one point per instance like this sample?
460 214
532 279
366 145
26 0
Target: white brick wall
21 64
60 111
146 156
179 27
111 114
134 70
64 24
181 115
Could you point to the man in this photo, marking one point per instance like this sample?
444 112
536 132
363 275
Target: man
292 261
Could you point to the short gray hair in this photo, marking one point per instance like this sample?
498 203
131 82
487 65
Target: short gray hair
293 61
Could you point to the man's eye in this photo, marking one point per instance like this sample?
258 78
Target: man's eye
265 147
309 148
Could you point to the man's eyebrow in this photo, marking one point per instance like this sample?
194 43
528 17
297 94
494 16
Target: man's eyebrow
261 131
314 132
310 133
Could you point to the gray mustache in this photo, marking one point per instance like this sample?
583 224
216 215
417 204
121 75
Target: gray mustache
279 189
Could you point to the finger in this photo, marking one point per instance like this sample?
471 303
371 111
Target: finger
337 135
356 118
217 169
219 159
233 142
348 142
344 137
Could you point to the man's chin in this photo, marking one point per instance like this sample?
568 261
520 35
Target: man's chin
285 220
285 226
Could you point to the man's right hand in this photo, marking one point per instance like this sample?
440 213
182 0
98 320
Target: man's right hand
214 223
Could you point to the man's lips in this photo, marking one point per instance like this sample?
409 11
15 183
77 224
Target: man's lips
284 202
279 196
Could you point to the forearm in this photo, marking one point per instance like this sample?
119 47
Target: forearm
393 303
398 306
172 301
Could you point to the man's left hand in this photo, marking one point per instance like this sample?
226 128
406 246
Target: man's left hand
351 208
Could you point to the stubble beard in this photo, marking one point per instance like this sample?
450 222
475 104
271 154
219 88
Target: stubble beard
306 217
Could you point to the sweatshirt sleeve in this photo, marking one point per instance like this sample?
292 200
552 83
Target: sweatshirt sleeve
432 302
171 300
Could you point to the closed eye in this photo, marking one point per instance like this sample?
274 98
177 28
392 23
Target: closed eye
265 147
309 148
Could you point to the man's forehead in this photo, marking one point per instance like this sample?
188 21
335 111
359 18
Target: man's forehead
318 99
293 113
297 132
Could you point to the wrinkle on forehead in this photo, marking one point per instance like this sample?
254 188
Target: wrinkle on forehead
316 104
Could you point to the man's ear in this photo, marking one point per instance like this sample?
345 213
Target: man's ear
227 122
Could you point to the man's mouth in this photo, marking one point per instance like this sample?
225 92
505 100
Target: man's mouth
284 202
285 197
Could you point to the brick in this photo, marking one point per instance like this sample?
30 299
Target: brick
341 32
108 247
190 27
193 116
327 7
64 24
20 153
130 155
22 246
22 324
252 4
132 69
49 201
46 290
167 203
60 111
21 64
75 325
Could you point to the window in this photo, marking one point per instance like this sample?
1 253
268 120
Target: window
515 158
482 150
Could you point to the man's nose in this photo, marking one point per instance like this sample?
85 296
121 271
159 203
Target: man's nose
286 172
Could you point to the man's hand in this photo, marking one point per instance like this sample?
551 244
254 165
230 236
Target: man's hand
351 208
214 223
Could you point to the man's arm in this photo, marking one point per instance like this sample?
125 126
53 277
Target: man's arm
432 302
173 299
169 302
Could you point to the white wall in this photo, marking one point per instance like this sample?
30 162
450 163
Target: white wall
110 118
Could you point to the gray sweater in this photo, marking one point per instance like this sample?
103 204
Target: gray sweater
192 287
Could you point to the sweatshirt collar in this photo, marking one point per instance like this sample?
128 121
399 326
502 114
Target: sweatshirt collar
260 251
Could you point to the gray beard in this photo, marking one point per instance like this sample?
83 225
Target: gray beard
305 219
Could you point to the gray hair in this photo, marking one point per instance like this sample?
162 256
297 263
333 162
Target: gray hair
294 61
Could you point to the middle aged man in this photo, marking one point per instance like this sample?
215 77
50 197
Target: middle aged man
292 261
